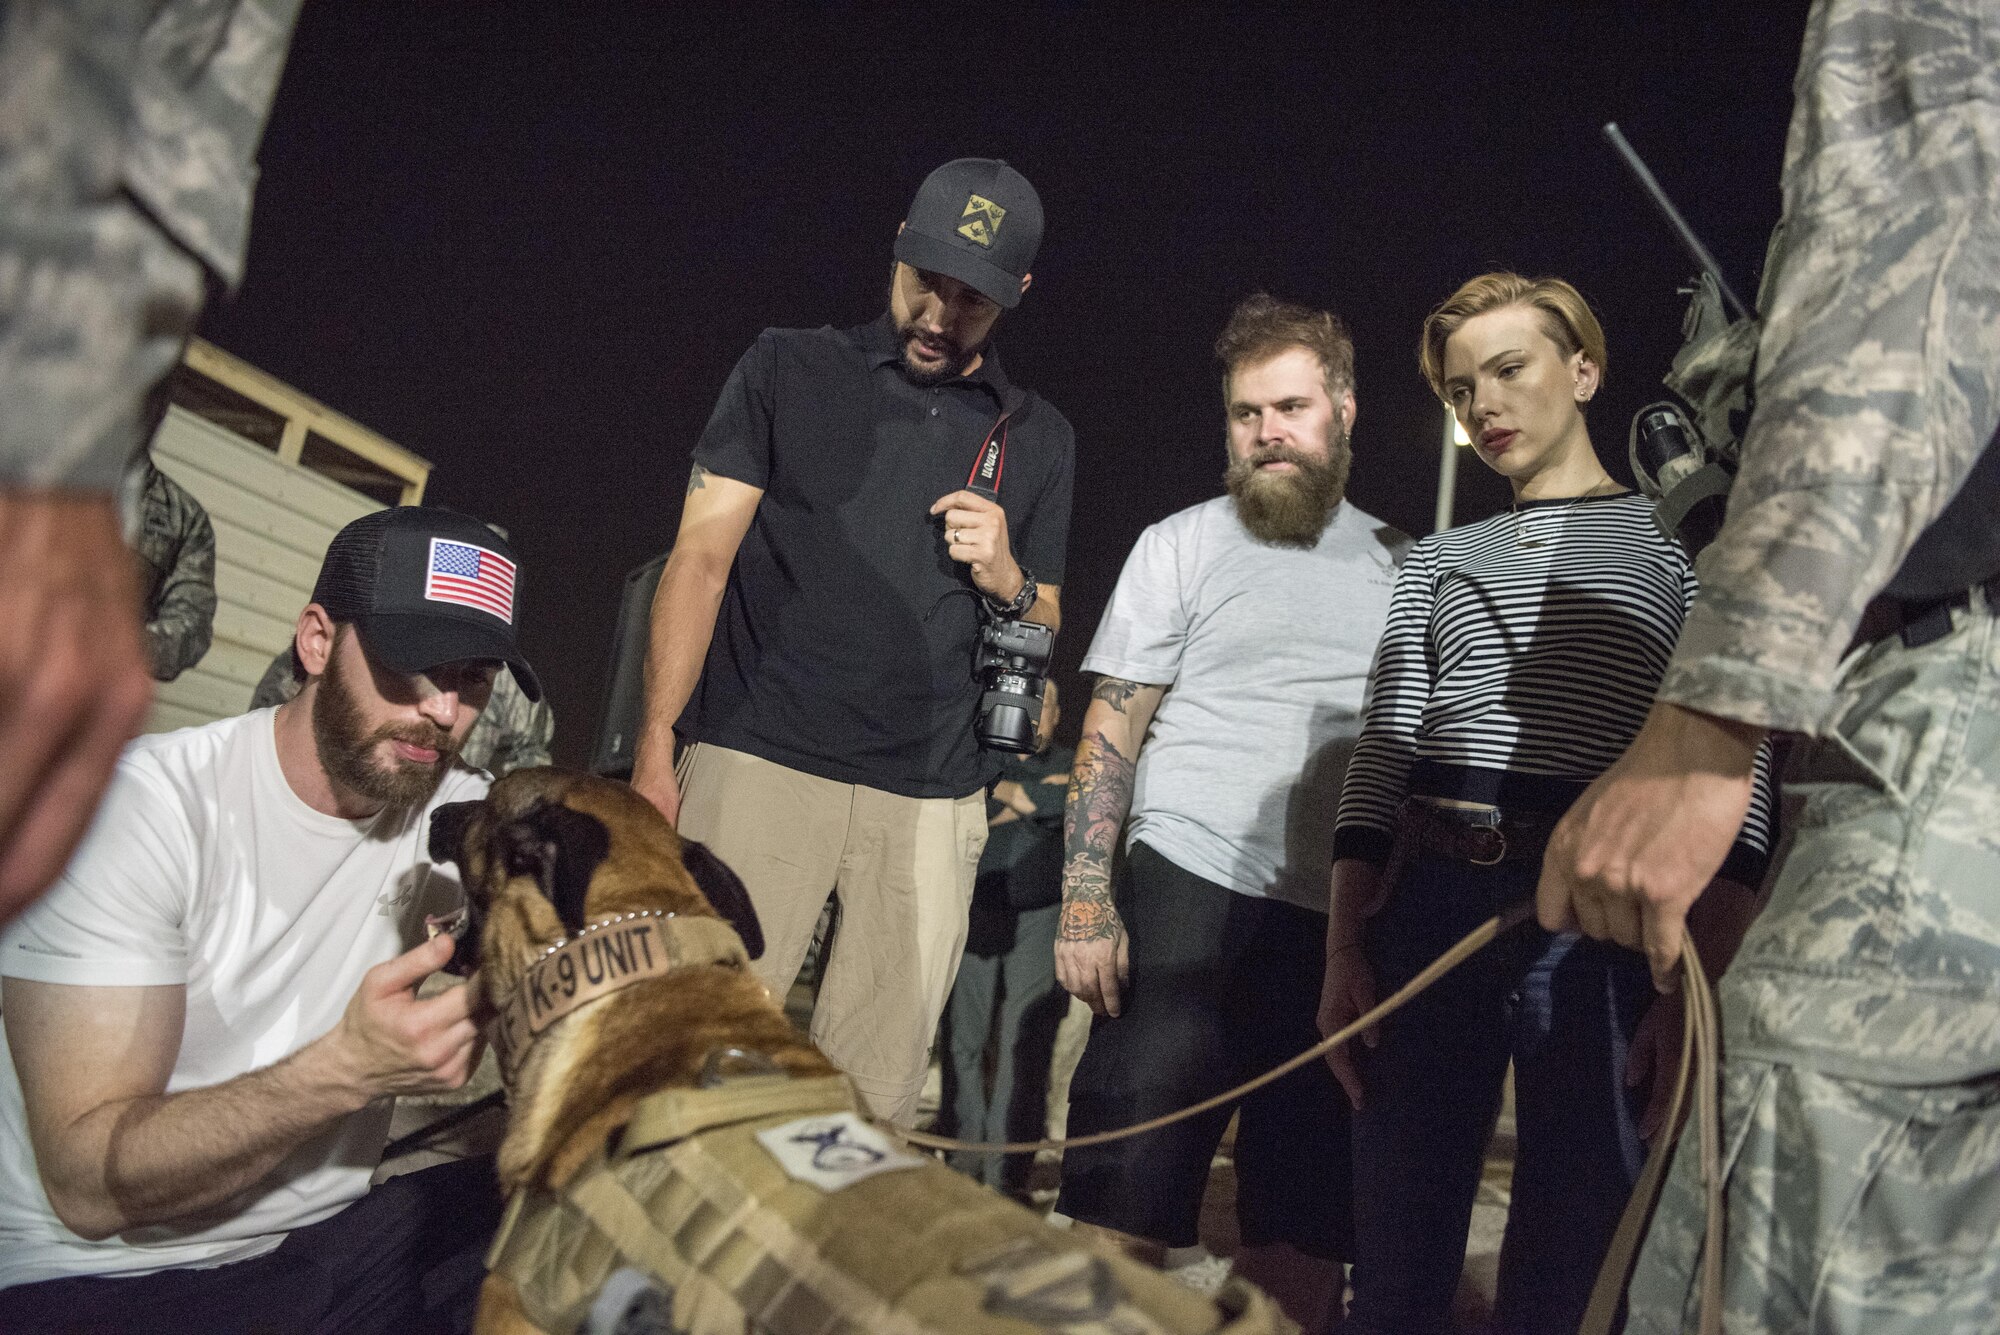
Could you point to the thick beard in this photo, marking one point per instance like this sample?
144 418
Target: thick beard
347 754
1290 509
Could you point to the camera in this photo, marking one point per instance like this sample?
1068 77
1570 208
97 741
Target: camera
1012 662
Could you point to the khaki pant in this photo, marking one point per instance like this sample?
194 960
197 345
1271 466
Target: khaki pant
903 868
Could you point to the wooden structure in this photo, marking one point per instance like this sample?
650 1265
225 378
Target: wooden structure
279 474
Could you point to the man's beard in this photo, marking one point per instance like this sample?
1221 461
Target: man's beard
955 361
1290 509
347 753
951 368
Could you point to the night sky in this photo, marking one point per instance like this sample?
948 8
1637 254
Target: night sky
528 241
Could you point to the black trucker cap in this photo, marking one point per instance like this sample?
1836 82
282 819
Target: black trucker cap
977 220
425 587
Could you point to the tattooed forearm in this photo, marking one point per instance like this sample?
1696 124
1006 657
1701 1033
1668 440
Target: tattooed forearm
697 479
1115 692
1100 795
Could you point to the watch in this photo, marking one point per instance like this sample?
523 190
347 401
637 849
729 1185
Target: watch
1018 608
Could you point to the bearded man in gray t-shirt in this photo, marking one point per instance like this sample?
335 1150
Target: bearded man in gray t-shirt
1232 662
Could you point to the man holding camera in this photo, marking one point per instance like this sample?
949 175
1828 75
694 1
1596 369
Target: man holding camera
1232 662
815 630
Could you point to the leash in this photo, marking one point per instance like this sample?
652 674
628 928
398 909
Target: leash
1472 943
1700 1055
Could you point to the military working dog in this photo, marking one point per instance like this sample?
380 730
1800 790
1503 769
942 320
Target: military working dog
679 1158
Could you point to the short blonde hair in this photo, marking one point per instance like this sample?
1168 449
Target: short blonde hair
1566 318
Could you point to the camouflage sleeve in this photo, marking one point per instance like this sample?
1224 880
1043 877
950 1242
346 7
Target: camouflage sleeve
513 732
277 685
181 623
103 105
527 743
1878 375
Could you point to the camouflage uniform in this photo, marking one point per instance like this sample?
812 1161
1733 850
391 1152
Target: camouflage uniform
513 732
176 548
1861 1094
128 136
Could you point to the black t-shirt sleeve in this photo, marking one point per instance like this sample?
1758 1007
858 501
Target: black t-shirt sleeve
737 441
1045 532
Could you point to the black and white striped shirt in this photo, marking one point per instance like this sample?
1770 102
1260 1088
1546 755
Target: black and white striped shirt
1520 659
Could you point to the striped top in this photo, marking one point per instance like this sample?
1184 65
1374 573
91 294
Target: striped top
1520 659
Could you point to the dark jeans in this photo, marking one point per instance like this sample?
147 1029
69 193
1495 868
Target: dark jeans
1223 987
407 1258
1563 1008
1005 994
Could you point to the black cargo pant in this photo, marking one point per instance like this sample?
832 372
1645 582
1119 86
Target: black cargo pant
407 1257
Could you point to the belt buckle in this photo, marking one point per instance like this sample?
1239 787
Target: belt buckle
1499 838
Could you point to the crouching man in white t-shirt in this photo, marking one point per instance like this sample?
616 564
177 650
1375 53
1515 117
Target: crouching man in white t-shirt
207 1017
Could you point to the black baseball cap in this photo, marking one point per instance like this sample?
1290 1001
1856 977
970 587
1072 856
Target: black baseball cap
425 587
977 220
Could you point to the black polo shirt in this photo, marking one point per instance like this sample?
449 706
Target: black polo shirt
844 647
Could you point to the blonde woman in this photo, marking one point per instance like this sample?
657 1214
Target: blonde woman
1521 656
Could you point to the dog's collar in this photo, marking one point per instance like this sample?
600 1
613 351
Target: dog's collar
605 956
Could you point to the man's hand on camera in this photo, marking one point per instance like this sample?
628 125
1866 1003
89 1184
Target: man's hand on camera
975 531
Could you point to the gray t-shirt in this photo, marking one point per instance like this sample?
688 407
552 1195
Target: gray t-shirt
1265 653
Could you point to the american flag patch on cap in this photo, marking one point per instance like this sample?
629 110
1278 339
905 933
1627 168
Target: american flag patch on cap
471 577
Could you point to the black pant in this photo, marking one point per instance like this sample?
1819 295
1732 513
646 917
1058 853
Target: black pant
1005 994
1563 1009
1223 987
407 1257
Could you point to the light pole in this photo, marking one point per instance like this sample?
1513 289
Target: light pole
1454 437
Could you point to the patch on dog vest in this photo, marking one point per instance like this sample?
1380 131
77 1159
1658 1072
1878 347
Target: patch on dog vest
834 1151
631 1303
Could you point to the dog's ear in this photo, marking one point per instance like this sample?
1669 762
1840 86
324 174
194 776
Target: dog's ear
725 893
447 841
561 848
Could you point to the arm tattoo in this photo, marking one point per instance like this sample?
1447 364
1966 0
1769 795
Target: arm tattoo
1100 795
697 479
1115 692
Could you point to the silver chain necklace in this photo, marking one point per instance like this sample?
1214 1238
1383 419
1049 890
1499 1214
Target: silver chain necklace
1527 535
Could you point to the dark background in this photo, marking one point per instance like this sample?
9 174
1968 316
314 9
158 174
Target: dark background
528 241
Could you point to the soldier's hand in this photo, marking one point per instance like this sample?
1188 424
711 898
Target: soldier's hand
1093 957
1644 840
975 533
74 685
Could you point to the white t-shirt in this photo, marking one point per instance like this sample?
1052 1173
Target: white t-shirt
1265 653
204 869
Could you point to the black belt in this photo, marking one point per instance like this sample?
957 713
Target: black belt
1485 838
1927 621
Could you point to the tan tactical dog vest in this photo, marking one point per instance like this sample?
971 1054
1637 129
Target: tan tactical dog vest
768 1205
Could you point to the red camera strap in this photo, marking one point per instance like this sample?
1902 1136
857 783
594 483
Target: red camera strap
991 462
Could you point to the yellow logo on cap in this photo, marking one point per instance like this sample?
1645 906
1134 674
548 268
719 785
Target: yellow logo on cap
983 220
